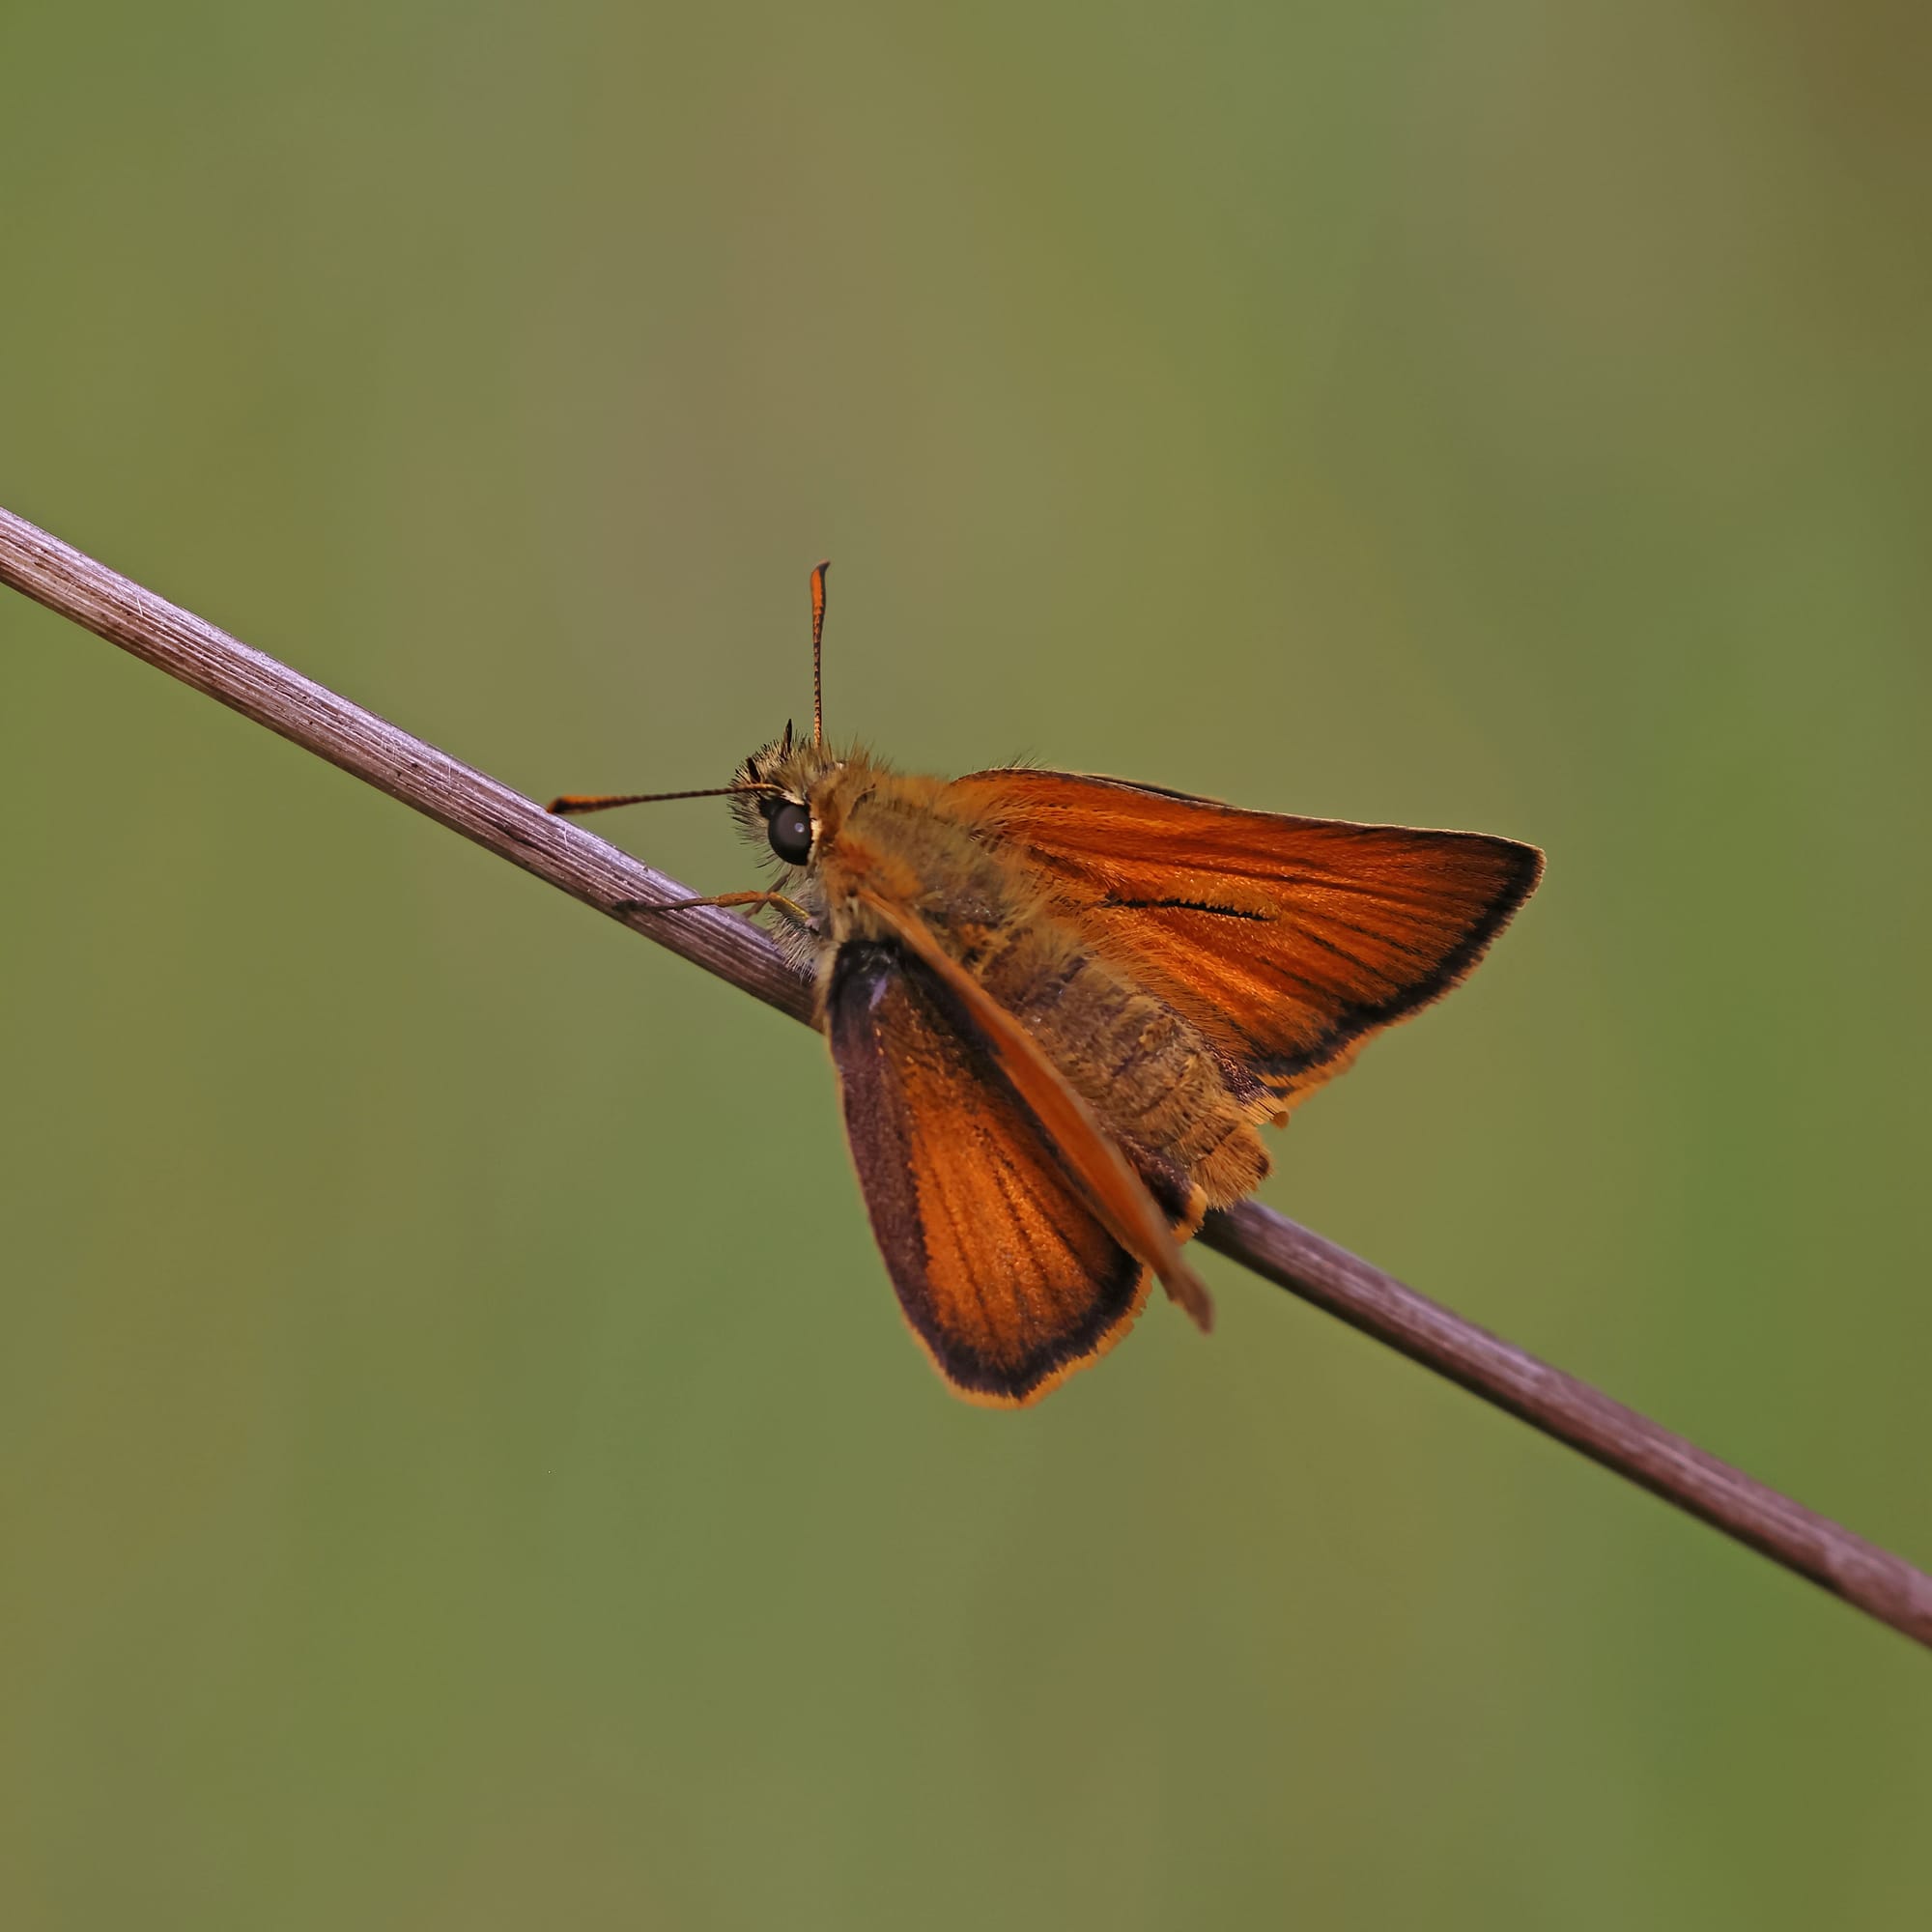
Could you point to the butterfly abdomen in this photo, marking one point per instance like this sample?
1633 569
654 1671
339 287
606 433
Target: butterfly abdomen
1151 1076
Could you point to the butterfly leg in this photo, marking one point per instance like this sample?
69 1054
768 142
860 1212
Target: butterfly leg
779 900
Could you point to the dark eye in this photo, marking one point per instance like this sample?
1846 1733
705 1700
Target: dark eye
789 829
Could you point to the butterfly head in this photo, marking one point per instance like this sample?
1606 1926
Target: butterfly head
779 793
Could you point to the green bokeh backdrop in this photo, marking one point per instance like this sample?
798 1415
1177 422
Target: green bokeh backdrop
460 1465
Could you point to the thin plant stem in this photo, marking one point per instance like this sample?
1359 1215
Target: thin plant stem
579 862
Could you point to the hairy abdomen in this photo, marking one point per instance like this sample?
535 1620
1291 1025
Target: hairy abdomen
1152 1078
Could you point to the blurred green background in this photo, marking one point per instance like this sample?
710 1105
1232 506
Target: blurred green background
459 1462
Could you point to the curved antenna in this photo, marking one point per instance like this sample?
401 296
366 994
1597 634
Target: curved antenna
818 633
573 803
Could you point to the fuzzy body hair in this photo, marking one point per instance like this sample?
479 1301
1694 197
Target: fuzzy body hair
1180 1111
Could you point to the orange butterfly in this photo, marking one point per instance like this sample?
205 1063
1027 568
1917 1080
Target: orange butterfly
1060 1006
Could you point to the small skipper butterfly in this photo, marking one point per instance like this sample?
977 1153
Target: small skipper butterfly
1060 1006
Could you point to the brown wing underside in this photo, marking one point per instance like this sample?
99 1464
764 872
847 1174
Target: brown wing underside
1288 941
1006 1277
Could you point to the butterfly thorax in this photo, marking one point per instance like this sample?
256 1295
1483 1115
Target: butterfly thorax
919 845
878 832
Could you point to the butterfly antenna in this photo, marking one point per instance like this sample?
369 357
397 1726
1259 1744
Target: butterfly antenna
571 803
818 633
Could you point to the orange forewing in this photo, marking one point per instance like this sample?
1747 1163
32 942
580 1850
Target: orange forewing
1006 1276
1288 941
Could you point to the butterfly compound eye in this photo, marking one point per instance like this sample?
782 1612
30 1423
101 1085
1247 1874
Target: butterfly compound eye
789 829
